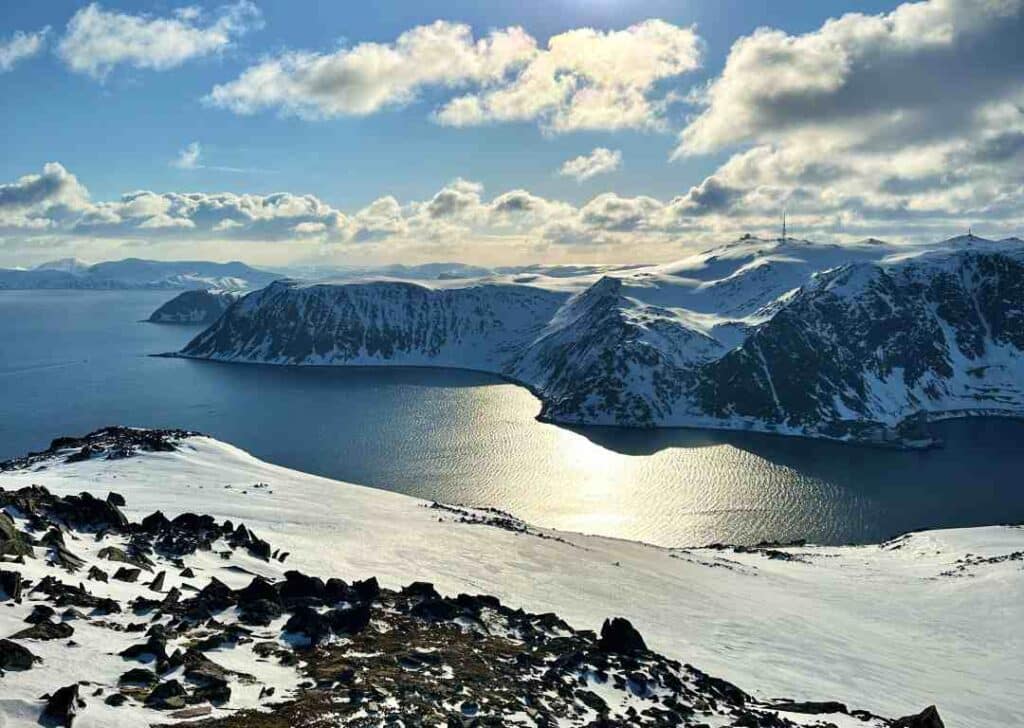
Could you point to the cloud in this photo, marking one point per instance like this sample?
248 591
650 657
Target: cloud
906 121
20 46
188 158
97 40
931 199
369 77
599 161
587 79
582 79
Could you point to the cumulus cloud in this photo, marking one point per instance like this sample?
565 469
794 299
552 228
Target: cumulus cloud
20 46
55 200
582 79
907 120
600 161
369 77
97 40
587 79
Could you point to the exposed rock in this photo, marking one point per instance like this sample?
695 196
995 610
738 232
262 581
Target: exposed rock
10 585
63 706
128 575
45 630
169 695
927 718
619 636
40 613
15 657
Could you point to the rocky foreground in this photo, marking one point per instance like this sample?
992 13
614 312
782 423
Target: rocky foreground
161 639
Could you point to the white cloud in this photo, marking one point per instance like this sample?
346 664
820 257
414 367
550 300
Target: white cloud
188 158
372 76
600 161
587 79
905 121
20 46
582 79
97 40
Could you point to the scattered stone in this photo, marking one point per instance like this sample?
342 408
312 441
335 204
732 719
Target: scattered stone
126 574
63 706
168 695
45 630
619 636
927 718
116 499
158 583
97 574
138 676
15 657
10 584
40 613
116 699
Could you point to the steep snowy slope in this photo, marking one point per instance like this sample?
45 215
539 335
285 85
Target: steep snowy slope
786 336
932 617
379 322
200 306
876 343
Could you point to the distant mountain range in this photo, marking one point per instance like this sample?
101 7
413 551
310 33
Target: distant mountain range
134 273
854 342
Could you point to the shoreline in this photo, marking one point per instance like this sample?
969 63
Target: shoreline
927 442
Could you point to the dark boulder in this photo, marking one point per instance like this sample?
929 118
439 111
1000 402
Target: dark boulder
116 499
97 574
138 676
15 657
349 621
619 636
10 585
810 707
307 621
40 613
158 583
13 541
45 630
62 707
258 589
168 695
260 612
366 590
155 522
126 574
298 586
927 718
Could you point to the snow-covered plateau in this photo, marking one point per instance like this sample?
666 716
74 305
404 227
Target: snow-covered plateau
861 342
188 616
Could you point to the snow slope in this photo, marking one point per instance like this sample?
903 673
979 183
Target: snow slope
932 617
199 306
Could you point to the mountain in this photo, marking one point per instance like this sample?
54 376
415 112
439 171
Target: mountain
861 342
135 273
155 551
194 307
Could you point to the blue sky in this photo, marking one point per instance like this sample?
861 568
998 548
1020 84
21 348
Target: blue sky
120 126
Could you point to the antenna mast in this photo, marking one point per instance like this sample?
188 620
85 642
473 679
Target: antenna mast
783 226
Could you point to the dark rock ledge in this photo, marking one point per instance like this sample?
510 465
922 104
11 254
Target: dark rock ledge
363 655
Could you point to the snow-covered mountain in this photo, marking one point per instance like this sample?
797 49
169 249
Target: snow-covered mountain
199 306
132 273
847 342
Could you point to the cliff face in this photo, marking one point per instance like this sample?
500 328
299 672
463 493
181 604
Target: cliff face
194 307
852 351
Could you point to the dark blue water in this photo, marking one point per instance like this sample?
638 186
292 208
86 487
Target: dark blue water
74 361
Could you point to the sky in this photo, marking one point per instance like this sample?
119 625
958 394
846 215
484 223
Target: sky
538 131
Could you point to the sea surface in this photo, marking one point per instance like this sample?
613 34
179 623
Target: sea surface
73 361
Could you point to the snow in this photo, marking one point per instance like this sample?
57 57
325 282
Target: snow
876 627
